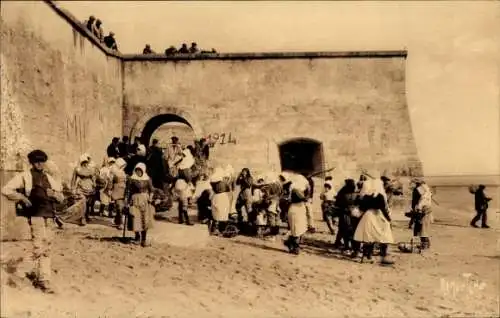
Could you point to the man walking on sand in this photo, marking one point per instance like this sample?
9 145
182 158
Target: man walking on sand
36 191
481 205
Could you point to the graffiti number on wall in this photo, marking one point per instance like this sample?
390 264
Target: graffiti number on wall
221 139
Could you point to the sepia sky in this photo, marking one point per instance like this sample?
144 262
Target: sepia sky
453 68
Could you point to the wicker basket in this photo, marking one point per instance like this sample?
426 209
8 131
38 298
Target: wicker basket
473 189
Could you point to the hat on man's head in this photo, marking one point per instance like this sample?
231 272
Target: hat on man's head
37 156
418 180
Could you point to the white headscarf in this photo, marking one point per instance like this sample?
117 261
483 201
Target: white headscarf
228 171
118 166
201 186
217 175
299 182
141 166
373 187
425 195
141 150
269 177
83 158
105 171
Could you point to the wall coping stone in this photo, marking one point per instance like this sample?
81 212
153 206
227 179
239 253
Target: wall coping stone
264 55
80 28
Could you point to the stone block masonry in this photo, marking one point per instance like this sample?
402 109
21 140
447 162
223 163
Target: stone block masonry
60 93
355 107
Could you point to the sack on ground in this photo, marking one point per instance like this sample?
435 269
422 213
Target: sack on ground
73 214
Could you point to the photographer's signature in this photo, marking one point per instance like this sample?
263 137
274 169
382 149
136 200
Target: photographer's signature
468 285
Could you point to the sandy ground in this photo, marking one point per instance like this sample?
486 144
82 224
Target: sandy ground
247 277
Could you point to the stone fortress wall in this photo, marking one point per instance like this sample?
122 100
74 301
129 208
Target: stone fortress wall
64 92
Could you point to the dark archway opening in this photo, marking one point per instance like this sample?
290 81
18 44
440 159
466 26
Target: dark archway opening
302 155
154 123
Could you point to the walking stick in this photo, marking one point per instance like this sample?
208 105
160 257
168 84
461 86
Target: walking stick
125 225
320 172
125 221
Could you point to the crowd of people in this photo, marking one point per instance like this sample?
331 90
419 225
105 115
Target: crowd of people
95 28
184 49
133 179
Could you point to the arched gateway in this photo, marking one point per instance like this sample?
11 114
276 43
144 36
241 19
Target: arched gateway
146 125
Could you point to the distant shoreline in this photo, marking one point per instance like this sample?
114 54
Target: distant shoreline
464 180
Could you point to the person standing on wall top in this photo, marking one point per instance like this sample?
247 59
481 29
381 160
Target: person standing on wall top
89 24
184 49
194 48
148 50
36 191
481 205
97 30
113 150
170 51
110 41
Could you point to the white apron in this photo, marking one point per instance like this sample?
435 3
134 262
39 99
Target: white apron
373 228
297 219
221 207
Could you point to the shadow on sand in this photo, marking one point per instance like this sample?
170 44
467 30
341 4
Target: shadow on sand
261 246
13 240
118 239
494 257
323 249
448 223
308 246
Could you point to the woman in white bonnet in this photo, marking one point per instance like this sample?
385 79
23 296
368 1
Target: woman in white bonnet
296 190
119 185
375 224
221 201
106 180
83 183
139 197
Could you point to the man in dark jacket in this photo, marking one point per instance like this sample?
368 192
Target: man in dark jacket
309 203
156 165
110 41
123 147
37 192
481 205
113 151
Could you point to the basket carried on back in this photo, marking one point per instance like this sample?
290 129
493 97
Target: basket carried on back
473 188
